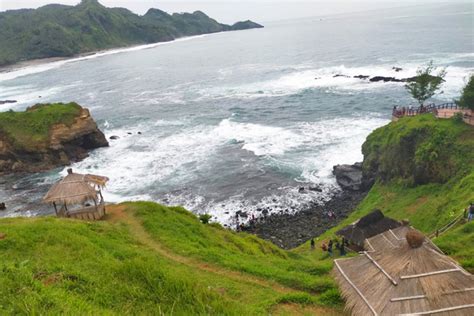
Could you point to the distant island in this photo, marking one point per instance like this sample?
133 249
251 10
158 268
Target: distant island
63 31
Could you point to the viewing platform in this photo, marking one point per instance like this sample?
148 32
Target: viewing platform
445 110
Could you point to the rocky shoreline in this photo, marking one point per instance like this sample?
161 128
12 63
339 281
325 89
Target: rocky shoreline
291 230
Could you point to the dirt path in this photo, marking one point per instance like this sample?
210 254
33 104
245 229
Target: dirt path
117 213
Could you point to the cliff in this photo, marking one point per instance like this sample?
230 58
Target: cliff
418 150
46 136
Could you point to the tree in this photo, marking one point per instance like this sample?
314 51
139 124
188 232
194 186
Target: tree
467 98
425 85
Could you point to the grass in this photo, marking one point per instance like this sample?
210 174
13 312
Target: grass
60 266
30 128
152 259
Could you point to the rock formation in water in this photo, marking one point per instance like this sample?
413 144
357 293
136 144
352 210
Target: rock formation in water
349 177
46 136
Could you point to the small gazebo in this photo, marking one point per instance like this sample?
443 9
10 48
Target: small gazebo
78 196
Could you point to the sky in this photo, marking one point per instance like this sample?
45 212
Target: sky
230 11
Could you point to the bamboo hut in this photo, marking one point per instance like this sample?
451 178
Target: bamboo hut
367 226
401 273
78 196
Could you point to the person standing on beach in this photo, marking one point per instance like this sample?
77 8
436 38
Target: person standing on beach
312 243
470 212
342 248
330 247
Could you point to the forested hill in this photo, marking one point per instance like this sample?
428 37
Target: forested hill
60 31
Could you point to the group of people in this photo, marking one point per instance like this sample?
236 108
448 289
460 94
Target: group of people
333 244
409 111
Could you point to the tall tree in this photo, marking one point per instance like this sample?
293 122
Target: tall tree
467 98
425 85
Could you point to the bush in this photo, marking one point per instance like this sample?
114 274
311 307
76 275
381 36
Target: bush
467 98
205 218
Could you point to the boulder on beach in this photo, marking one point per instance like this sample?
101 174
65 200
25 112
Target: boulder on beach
2 207
113 137
349 177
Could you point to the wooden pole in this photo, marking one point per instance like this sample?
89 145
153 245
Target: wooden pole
442 310
428 273
55 208
355 288
380 268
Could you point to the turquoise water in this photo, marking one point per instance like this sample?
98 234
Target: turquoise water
241 120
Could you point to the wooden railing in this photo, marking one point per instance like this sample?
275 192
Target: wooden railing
448 226
429 108
445 110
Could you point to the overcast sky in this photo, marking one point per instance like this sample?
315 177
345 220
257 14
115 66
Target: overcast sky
229 11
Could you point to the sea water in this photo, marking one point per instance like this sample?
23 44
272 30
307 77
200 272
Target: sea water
240 121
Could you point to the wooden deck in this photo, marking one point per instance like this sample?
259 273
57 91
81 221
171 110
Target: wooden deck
90 213
445 111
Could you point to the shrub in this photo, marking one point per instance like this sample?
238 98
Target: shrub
467 98
205 218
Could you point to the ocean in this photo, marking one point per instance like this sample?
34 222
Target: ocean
239 121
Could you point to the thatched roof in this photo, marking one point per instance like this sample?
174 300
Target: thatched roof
392 278
370 225
75 188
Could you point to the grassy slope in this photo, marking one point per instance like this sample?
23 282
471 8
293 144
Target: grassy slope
30 128
172 263
432 205
150 258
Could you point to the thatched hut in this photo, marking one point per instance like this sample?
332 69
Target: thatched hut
367 226
394 277
78 196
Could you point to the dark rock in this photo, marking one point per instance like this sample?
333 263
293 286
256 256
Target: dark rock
301 190
2 207
340 75
288 230
385 79
397 69
7 101
361 77
349 177
139 133
315 189
129 133
113 137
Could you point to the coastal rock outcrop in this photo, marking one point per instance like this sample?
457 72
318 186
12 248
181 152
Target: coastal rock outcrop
349 177
67 139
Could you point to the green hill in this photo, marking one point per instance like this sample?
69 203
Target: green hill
151 259
423 168
62 31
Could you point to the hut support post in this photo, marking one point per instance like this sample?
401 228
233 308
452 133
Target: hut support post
55 208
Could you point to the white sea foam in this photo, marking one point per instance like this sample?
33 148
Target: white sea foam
136 163
341 78
29 70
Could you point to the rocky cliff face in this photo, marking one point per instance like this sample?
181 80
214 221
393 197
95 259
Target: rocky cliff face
66 143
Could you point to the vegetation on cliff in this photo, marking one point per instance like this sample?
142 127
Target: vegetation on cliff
419 150
46 136
467 97
147 259
30 128
423 169
61 31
